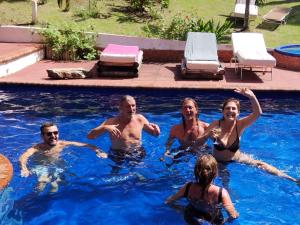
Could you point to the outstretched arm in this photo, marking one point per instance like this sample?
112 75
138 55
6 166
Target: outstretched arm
176 196
23 161
99 153
209 131
105 126
256 109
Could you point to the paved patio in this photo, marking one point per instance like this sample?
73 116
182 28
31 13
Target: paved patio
155 75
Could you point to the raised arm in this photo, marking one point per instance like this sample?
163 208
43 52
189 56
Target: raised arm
176 196
108 126
99 153
228 206
256 109
23 161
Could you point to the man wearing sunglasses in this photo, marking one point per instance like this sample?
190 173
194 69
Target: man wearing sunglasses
125 130
46 157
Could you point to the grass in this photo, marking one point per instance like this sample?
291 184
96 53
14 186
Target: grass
115 19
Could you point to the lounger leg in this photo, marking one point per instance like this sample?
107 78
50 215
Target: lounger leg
241 73
271 73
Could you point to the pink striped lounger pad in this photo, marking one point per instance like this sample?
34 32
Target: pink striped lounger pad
121 54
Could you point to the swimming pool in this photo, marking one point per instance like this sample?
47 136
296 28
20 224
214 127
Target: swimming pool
93 195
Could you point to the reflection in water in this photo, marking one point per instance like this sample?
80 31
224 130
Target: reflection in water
6 209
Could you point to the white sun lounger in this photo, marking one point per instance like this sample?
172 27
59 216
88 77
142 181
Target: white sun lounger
277 15
249 51
201 57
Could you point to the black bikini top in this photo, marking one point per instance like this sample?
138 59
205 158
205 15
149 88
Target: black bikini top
233 147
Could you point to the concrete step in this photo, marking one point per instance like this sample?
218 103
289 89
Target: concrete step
17 56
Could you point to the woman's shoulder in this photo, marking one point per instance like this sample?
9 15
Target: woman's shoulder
215 189
203 124
176 127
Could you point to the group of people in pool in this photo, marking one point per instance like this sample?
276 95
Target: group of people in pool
125 132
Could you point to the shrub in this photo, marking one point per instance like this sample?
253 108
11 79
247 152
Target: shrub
260 2
143 5
180 26
69 44
92 11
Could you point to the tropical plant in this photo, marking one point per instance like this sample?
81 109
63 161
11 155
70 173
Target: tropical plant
92 11
69 43
180 26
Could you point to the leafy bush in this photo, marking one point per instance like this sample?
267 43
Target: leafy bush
260 2
92 11
180 26
69 44
143 5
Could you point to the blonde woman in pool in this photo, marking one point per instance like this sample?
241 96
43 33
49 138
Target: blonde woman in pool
227 131
190 132
205 199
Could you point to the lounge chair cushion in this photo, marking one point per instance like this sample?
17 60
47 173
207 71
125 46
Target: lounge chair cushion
201 47
246 42
211 66
255 58
121 54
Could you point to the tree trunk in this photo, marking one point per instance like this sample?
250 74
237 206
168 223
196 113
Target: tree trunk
246 18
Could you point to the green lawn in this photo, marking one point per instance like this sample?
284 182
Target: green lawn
116 19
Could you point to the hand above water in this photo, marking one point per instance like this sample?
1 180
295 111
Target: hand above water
113 130
102 155
245 92
25 173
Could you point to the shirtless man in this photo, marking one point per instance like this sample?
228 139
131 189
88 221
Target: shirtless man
125 130
46 157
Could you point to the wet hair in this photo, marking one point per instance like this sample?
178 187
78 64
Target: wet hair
237 102
206 169
125 98
196 106
46 124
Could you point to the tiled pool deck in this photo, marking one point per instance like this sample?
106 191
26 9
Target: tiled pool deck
155 75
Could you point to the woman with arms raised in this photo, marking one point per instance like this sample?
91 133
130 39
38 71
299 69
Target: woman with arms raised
227 131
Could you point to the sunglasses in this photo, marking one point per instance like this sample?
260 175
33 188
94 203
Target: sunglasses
50 133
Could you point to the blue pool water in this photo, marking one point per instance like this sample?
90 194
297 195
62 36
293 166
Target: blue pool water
292 50
91 194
